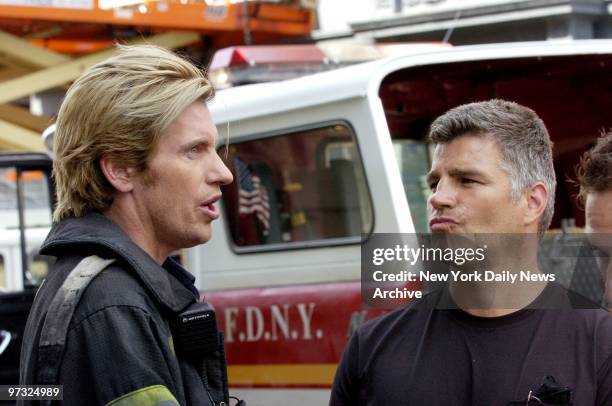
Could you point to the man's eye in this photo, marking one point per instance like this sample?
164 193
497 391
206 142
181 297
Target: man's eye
468 181
195 150
432 185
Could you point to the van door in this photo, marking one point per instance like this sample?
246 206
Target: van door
26 201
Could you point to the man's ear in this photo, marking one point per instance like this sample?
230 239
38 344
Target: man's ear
537 199
120 176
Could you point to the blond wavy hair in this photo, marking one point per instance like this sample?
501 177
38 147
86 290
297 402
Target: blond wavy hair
118 108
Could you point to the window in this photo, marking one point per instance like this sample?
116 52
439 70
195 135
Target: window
37 199
9 216
413 161
27 190
37 218
297 187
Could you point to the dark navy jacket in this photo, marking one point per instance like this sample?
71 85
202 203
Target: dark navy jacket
119 348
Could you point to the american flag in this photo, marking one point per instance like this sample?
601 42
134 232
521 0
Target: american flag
253 197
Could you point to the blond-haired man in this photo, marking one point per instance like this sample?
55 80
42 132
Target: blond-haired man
138 177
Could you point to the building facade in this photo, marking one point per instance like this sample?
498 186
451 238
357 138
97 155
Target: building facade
470 21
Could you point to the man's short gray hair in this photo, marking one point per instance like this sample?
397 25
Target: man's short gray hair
522 137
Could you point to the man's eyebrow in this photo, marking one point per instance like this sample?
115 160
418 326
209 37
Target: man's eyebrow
207 139
466 173
457 173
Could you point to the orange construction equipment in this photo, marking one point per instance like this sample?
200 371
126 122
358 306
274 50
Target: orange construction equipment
44 45
224 22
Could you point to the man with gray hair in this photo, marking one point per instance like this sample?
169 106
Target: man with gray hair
138 177
492 173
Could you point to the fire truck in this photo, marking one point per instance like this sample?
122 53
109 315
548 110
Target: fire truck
321 162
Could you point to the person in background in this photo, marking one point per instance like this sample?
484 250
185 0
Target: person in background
594 175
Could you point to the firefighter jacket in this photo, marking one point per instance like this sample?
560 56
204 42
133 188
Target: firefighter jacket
119 348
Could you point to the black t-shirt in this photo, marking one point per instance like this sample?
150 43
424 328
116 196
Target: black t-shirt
421 356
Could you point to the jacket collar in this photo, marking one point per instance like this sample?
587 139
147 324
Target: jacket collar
170 284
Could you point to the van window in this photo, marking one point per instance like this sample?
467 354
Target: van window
413 159
297 187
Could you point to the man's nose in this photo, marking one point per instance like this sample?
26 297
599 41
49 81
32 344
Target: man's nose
444 196
221 173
